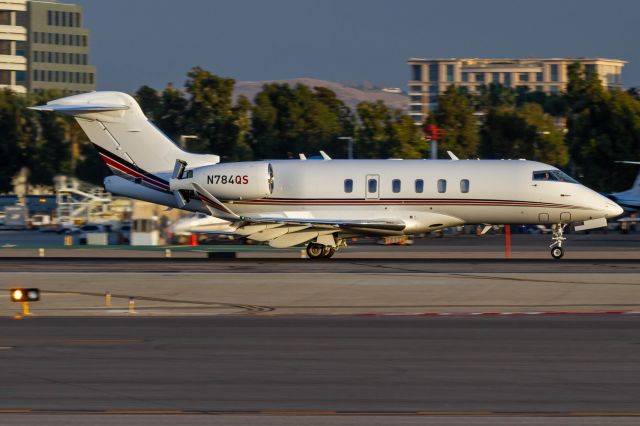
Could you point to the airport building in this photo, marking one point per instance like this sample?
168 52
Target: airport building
43 46
430 77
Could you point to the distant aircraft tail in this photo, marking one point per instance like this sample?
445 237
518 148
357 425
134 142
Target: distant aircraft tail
127 141
635 189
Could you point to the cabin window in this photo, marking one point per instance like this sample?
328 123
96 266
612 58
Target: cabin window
396 185
464 186
348 186
442 186
419 186
372 185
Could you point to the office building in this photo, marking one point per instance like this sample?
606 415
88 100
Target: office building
431 77
58 48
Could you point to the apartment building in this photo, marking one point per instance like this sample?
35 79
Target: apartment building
13 45
430 77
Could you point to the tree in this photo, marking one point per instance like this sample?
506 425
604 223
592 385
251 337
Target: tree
210 114
604 126
150 102
454 115
382 132
290 120
526 132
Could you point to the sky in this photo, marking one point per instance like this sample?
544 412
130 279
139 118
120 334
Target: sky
153 42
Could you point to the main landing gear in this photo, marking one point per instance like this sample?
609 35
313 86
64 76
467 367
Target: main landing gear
558 237
318 251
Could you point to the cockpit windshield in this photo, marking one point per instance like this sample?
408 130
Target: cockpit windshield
553 176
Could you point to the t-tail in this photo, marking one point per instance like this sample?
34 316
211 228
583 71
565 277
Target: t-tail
127 141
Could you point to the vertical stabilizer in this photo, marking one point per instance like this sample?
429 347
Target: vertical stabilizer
126 139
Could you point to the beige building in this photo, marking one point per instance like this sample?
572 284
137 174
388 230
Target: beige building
431 77
44 46
58 48
13 45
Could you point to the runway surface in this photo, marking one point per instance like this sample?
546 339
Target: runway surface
348 266
490 367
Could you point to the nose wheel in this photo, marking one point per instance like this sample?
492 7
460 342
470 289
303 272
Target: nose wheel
557 238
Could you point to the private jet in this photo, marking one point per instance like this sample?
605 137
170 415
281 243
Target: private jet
322 203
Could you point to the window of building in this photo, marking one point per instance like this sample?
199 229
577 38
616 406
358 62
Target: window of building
416 89
21 77
372 186
56 18
50 17
36 75
416 98
590 69
64 19
539 77
495 77
464 76
84 41
416 108
433 93
480 77
5 47
524 76
464 186
449 72
507 79
419 186
554 72
434 72
442 186
554 89
539 88
21 48
396 185
5 77
416 72
5 17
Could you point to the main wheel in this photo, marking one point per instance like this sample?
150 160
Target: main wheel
327 252
315 251
557 252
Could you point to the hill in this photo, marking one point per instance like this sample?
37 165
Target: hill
349 95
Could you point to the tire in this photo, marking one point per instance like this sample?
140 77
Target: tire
557 252
315 251
328 252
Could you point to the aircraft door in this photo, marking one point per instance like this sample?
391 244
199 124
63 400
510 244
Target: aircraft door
372 189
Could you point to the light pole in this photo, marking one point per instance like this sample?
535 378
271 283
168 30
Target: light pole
349 139
185 138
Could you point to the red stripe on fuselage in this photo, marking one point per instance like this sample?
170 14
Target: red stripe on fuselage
129 171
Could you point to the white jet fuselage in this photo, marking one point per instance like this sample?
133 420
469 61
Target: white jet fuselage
425 194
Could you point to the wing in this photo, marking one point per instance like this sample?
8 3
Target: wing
283 232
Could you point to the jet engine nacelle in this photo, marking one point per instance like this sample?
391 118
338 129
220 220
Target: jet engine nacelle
229 181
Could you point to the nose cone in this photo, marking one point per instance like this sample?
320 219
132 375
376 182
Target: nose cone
612 210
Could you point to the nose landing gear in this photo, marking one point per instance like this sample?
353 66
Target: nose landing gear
558 237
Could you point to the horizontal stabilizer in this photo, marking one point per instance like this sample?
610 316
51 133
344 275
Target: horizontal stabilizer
80 108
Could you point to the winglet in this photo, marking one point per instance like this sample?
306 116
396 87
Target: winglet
452 155
215 207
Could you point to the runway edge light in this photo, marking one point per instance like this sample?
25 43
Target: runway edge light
25 294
